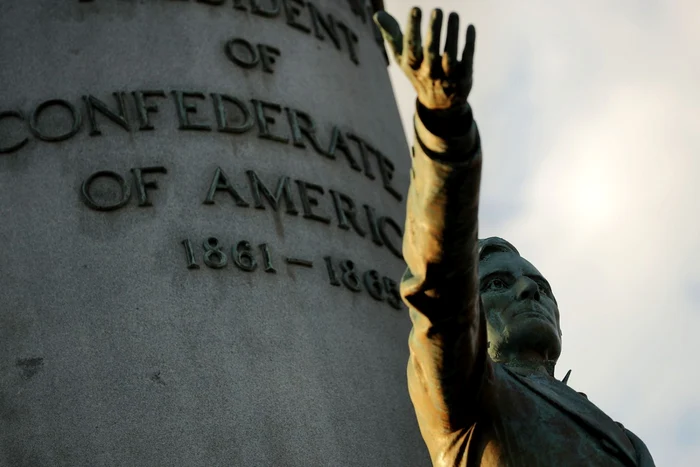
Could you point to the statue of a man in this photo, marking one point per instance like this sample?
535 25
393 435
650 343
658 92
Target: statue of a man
486 331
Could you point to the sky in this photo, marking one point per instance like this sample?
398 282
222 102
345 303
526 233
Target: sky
588 114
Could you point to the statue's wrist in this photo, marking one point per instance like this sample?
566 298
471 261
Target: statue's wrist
457 109
446 135
450 122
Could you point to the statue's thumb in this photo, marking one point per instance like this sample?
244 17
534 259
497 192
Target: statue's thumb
390 31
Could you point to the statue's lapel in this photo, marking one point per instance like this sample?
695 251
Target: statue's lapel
586 413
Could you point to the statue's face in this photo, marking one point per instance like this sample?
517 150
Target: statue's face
520 309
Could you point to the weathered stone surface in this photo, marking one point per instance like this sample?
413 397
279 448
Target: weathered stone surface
113 351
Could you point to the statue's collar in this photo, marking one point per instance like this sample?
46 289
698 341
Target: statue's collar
532 368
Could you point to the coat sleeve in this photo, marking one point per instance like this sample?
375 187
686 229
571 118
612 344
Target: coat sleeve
448 357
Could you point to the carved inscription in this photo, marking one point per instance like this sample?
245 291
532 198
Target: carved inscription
241 255
215 254
246 55
378 287
197 111
123 193
301 15
295 197
59 120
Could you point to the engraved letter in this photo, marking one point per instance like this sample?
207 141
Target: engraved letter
14 147
318 22
221 182
34 120
364 154
145 108
356 8
92 104
125 191
238 5
265 120
308 130
345 210
184 109
373 227
383 223
283 191
338 142
267 57
386 170
308 202
271 12
293 8
350 40
222 115
141 185
242 53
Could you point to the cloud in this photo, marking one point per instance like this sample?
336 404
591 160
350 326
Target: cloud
588 114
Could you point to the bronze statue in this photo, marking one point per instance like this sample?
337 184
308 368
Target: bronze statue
486 329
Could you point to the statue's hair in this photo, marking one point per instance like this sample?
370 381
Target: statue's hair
488 246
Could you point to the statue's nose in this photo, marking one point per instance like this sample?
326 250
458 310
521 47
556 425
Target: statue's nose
526 288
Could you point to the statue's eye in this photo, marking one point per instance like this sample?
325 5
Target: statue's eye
545 290
496 284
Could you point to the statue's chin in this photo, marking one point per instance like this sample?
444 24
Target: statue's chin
531 334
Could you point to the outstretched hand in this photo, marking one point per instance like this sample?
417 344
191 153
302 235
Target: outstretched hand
441 81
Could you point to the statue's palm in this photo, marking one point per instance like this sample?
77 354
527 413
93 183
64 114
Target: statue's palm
441 81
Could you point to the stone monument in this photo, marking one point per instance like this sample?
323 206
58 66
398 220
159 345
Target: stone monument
201 223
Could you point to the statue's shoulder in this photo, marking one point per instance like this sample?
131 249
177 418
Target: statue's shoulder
615 438
644 458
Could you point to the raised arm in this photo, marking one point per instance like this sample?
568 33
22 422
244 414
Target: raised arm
448 355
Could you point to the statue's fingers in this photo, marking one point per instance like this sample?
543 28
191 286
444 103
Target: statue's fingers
432 44
412 47
391 31
468 54
449 58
